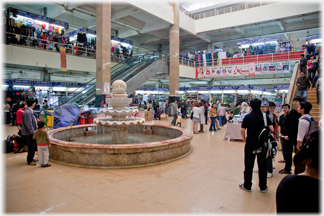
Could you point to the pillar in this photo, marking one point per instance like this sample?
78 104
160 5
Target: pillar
174 55
103 49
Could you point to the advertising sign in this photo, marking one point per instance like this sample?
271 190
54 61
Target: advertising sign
106 87
63 58
245 70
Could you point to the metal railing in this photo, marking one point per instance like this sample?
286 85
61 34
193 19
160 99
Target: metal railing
226 10
274 57
52 46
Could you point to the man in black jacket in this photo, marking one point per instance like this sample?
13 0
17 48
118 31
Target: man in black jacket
303 85
303 63
291 137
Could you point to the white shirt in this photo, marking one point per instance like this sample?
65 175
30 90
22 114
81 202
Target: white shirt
303 127
195 111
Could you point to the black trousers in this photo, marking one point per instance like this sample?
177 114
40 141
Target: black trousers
249 158
206 115
289 145
175 116
31 144
14 119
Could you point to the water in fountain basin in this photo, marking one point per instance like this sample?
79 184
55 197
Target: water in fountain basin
132 138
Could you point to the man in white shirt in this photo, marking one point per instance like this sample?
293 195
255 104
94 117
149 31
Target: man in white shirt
303 128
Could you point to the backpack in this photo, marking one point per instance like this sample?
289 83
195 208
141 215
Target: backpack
267 145
8 145
313 126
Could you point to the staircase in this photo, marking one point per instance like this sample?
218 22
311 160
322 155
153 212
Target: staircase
312 98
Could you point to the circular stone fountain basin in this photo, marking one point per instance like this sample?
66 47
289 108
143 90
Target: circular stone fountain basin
147 153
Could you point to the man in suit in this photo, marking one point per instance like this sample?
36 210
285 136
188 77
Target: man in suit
29 126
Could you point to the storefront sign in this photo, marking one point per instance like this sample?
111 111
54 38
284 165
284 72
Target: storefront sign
262 40
244 70
107 96
63 58
312 37
251 69
281 86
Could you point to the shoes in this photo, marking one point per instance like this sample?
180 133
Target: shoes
32 163
265 190
35 160
281 161
283 171
243 188
219 129
201 131
269 175
46 165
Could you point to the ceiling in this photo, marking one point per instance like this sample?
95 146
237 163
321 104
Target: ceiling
148 31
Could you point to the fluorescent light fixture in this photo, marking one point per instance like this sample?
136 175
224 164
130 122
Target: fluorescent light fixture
71 89
267 93
245 46
255 92
243 91
229 91
281 91
59 89
140 92
5 85
271 42
45 87
316 41
38 21
181 92
258 43
203 92
20 86
92 35
192 91
216 91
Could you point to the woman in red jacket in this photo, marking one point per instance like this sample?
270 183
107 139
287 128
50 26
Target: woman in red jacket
20 113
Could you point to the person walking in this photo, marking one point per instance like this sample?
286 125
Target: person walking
254 124
206 106
201 116
29 126
303 85
212 114
311 66
292 120
303 63
318 89
195 117
164 106
282 128
221 114
174 112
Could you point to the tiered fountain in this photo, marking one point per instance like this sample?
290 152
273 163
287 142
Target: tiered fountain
129 148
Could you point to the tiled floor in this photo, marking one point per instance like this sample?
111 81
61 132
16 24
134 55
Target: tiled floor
206 181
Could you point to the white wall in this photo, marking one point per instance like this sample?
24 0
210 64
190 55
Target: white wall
253 15
186 23
159 9
187 71
39 58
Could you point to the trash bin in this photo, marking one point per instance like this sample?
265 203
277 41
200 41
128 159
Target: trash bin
90 119
49 118
82 120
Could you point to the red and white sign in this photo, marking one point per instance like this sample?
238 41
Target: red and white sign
106 97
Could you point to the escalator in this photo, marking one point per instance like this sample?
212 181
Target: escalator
134 71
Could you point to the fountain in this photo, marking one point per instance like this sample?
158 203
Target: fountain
119 123
118 140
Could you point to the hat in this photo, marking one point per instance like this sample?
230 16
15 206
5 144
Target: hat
265 103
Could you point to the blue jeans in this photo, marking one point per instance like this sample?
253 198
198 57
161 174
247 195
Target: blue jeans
220 118
212 124
283 146
303 93
269 165
311 74
163 109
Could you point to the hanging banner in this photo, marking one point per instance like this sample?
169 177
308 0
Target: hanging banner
245 70
106 88
63 58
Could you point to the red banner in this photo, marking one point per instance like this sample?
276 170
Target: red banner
63 58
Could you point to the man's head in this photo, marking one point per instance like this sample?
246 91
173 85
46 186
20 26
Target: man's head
302 56
272 107
175 101
255 104
296 101
304 107
265 106
312 53
312 57
31 103
302 74
285 108
41 125
23 106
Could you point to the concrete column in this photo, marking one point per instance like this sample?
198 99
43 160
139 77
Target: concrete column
160 51
210 48
103 49
174 53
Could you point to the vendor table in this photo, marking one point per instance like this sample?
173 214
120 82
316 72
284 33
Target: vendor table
233 132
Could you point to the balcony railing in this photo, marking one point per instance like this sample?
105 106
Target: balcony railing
226 10
275 57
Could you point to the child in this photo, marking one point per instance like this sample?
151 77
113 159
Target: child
179 120
20 140
43 144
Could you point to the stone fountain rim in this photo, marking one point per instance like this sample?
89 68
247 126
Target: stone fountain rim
186 135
